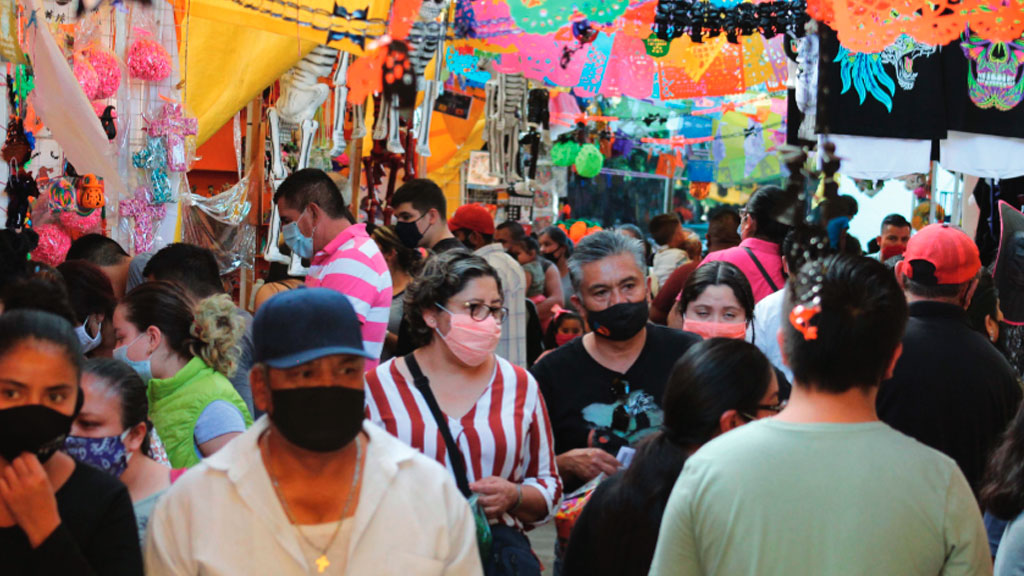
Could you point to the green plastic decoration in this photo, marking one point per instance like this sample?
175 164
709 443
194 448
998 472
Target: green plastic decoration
564 153
589 161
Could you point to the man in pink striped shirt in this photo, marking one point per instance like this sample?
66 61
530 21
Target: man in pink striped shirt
318 225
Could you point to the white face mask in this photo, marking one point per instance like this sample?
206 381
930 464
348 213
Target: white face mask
143 367
89 343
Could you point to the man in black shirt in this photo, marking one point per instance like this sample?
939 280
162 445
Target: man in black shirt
951 389
421 212
603 391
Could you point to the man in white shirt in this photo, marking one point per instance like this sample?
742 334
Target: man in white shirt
310 489
474 226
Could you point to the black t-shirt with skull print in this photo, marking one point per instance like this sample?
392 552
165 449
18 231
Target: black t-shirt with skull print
984 86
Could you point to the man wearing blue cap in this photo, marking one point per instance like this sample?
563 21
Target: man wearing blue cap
310 489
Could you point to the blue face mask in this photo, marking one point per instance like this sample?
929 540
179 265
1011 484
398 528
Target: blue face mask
107 454
299 243
142 367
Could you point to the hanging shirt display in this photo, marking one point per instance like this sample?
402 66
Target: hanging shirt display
984 86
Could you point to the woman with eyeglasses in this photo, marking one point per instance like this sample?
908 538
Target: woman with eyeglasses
474 412
717 385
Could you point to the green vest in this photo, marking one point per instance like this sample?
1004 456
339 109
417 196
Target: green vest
176 403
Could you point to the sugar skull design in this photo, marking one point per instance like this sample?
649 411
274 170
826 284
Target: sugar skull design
901 54
994 78
867 74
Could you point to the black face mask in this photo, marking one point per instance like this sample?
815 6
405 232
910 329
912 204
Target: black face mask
35 429
409 233
550 256
619 322
319 419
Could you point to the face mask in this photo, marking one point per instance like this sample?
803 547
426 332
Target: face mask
107 454
563 339
472 342
299 243
33 428
731 330
619 322
318 419
551 256
89 343
409 232
890 251
143 368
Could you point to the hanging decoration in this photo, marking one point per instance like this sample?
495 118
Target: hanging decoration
700 19
153 159
564 153
174 127
90 194
589 161
147 59
108 71
145 215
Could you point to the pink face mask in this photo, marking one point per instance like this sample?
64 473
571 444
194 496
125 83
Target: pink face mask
732 330
472 342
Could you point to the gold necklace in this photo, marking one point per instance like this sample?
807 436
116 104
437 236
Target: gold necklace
322 562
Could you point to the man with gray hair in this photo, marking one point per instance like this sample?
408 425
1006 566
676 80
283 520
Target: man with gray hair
603 390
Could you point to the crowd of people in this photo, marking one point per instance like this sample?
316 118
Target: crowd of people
766 401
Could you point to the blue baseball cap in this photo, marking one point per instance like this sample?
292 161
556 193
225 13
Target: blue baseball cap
304 324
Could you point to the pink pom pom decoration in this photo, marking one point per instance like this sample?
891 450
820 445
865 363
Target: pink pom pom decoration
148 60
108 72
54 243
87 77
79 225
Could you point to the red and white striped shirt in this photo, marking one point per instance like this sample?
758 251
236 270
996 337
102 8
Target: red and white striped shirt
353 265
506 434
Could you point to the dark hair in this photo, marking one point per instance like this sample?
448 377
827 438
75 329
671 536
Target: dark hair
861 322
639 235
722 224
39 293
424 195
119 378
530 244
549 336
211 329
515 230
313 186
712 377
444 276
15 248
98 249
896 220
804 243
89 290
936 291
985 303
558 236
192 267
765 206
1002 494
21 325
663 227
718 273
409 259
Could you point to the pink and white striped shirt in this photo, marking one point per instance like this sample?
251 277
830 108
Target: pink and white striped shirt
506 434
353 265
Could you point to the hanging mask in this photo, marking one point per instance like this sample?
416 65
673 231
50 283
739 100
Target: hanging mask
34 429
89 343
107 454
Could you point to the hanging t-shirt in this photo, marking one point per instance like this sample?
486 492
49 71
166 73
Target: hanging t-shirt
896 93
985 86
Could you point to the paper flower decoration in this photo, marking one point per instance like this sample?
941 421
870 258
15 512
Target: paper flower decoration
148 60
146 215
53 246
589 161
108 72
564 153
87 77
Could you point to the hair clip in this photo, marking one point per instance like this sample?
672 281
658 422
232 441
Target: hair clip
800 317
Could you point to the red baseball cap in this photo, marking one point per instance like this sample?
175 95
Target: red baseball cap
472 217
940 254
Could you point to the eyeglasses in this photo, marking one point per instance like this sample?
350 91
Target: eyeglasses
480 312
620 417
773 408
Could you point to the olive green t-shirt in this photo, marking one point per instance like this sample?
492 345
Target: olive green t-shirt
789 499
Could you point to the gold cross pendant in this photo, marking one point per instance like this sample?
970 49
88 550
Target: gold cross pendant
322 563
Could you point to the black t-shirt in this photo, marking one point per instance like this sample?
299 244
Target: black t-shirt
983 89
896 93
580 398
951 389
97 535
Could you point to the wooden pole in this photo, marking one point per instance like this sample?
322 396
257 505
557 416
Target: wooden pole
355 159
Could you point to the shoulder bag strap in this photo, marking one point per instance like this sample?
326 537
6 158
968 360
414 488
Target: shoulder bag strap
761 268
454 454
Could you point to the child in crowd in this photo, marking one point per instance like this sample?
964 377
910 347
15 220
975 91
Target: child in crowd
527 257
566 327
674 245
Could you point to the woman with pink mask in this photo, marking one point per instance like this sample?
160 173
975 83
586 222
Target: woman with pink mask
471 410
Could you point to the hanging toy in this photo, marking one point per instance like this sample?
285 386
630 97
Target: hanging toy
564 153
90 194
21 186
147 59
145 214
399 79
108 72
17 147
108 121
62 195
589 161
583 32
153 159
175 127
87 77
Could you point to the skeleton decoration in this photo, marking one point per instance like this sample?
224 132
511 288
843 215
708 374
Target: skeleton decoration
340 96
994 76
506 118
807 85
426 39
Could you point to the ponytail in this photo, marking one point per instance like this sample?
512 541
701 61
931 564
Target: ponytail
216 331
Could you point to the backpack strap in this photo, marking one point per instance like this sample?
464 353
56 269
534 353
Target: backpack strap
760 267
